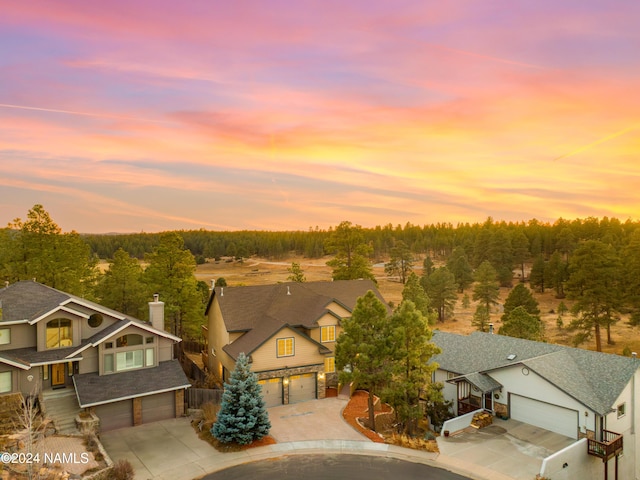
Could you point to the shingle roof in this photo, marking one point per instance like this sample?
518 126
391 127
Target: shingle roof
263 310
93 389
293 303
592 378
31 356
482 381
28 300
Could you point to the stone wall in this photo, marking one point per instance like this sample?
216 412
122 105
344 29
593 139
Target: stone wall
285 373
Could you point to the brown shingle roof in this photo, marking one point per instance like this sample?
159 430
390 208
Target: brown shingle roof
263 310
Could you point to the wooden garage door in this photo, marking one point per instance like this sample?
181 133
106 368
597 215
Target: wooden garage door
545 415
272 391
302 387
115 415
158 407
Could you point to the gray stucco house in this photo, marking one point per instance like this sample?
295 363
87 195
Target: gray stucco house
121 368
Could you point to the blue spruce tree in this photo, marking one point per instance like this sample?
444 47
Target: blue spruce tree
243 417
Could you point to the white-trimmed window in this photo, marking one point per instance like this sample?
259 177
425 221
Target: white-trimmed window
328 334
59 333
108 363
285 347
6 382
451 375
129 360
329 364
5 336
622 410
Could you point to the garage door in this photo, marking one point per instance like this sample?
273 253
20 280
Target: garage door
302 387
272 391
158 407
115 415
544 415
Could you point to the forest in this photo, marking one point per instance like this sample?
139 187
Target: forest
593 261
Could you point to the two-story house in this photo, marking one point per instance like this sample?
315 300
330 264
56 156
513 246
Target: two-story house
288 331
121 368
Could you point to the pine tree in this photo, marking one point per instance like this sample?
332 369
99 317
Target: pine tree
243 416
520 296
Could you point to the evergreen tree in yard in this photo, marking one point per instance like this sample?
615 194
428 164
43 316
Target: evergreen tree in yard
414 292
486 290
441 289
520 323
243 416
520 296
364 348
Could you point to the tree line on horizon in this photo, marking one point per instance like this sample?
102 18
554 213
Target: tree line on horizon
595 262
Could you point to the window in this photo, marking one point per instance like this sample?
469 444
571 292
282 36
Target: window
95 320
621 410
59 334
108 363
5 382
108 344
329 364
129 340
149 340
70 368
328 334
5 336
129 360
451 375
45 372
285 347
149 357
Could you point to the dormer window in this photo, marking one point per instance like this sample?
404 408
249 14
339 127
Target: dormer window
59 333
5 336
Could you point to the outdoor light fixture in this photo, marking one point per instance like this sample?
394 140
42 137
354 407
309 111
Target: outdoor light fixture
321 375
286 381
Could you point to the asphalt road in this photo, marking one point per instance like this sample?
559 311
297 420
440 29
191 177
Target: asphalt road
334 467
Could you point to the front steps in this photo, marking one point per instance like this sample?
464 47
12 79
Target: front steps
61 407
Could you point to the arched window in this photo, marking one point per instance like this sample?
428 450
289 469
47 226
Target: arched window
59 333
129 340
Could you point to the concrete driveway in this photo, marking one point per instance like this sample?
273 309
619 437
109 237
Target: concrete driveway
312 420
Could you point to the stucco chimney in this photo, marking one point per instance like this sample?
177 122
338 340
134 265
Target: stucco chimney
156 313
491 328
213 283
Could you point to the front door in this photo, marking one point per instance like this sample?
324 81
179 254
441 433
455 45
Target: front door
488 401
57 375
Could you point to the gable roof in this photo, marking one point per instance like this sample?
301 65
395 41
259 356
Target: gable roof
592 378
263 310
28 302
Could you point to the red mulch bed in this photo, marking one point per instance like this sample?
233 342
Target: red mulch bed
331 392
205 434
358 408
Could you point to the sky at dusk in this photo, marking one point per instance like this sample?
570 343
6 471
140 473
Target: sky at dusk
129 116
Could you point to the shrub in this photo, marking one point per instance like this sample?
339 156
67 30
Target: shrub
122 470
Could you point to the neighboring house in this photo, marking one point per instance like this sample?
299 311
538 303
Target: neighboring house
288 331
574 392
120 367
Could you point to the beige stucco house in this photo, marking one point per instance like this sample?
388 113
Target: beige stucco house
121 368
288 331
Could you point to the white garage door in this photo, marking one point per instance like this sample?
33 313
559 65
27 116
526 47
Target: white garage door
544 415
272 391
302 387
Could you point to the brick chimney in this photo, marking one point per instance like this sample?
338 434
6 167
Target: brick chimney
156 313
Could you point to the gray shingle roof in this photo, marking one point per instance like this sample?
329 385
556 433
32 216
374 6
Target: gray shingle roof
27 300
263 310
93 389
31 356
592 378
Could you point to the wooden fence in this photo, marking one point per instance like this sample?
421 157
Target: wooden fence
195 397
192 346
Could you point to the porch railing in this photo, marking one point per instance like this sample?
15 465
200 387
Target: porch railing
608 448
467 405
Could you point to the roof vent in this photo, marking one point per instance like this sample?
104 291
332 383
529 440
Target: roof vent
511 356
633 354
222 291
288 290
213 283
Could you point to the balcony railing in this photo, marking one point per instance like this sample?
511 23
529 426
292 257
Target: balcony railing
467 405
608 448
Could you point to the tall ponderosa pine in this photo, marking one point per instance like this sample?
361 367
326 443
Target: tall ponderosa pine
351 261
401 261
414 292
171 274
121 287
412 370
37 248
520 323
594 284
243 417
486 289
459 265
364 348
441 289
